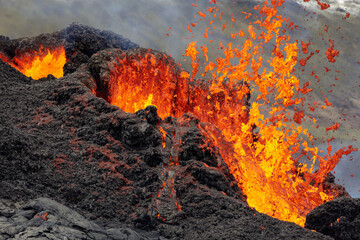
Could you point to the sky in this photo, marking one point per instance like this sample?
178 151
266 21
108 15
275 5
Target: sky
146 22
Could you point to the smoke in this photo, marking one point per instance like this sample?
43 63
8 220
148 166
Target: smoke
142 21
336 6
347 170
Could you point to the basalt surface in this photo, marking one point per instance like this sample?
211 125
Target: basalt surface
339 218
62 142
162 178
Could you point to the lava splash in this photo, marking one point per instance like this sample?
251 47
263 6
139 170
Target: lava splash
261 163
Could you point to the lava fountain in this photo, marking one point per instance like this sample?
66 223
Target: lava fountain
258 141
263 163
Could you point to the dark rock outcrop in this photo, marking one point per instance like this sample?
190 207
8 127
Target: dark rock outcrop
339 218
44 218
62 142
80 43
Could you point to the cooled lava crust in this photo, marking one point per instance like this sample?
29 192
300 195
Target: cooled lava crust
61 141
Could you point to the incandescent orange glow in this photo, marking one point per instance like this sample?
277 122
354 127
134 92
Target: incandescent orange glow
257 142
134 84
274 181
41 63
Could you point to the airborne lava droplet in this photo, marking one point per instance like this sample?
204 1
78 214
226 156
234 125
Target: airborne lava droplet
323 5
298 116
334 127
331 52
305 47
304 60
326 29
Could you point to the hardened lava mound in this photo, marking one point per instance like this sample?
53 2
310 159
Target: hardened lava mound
126 175
58 53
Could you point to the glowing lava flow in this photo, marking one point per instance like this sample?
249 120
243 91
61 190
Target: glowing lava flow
273 180
39 64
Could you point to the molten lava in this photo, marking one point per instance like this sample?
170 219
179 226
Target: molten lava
146 78
274 181
263 163
39 64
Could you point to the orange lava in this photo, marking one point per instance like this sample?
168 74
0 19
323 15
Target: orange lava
39 64
273 180
331 52
135 84
3 57
323 5
258 142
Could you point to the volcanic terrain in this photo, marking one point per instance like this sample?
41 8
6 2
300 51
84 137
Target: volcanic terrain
141 175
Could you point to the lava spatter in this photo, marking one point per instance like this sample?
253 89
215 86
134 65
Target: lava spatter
262 163
273 181
331 53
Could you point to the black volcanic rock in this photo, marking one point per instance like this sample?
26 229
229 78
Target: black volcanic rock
61 142
125 175
80 43
89 40
339 218
44 218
